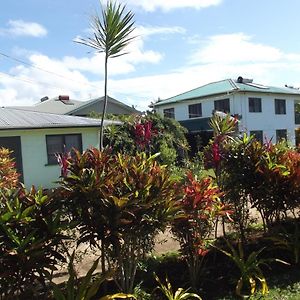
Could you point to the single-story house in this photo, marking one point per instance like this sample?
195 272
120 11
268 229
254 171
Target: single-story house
63 105
36 137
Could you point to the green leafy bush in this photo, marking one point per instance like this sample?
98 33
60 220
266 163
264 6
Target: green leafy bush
121 202
150 133
30 232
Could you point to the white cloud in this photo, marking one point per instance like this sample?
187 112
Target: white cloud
167 5
151 30
234 48
220 57
22 28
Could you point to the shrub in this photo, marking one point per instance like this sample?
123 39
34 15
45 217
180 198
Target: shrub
30 231
8 174
150 133
200 207
121 202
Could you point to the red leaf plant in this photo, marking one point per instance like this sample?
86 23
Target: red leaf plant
144 133
200 207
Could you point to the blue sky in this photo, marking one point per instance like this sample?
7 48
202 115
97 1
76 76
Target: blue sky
181 44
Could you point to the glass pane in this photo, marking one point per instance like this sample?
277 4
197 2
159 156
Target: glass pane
54 146
73 141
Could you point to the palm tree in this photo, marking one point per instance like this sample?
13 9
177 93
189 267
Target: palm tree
112 32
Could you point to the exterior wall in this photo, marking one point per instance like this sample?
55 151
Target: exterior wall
36 170
267 120
182 108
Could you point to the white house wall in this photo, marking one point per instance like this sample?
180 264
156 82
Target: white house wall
36 170
267 120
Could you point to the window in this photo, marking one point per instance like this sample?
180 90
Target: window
60 144
280 107
258 135
222 105
254 104
169 113
281 134
195 110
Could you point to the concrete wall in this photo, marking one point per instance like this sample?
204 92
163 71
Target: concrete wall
36 170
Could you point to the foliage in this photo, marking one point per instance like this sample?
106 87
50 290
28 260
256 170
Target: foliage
85 288
121 202
200 207
251 174
180 294
30 232
8 174
249 268
289 241
112 33
150 133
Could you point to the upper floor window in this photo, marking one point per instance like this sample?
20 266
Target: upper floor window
195 110
280 107
281 134
258 135
169 113
254 104
60 143
222 105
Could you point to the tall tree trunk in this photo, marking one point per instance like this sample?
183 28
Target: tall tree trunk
104 105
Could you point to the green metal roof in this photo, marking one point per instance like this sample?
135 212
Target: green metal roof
227 86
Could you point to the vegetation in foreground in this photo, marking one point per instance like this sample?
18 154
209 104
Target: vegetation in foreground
118 202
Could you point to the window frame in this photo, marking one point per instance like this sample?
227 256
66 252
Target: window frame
197 112
254 104
258 135
279 136
280 109
169 113
226 100
50 155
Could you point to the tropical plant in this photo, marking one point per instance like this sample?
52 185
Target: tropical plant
121 202
289 241
150 133
249 269
240 179
179 294
8 174
30 232
200 207
112 33
84 288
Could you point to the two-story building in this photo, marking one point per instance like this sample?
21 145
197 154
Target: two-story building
264 111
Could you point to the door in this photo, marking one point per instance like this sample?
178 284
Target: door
14 144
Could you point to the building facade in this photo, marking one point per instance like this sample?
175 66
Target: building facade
36 138
264 111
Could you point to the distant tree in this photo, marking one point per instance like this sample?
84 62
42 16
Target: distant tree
112 32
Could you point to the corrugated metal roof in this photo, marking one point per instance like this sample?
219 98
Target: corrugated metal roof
224 87
19 119
56 106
